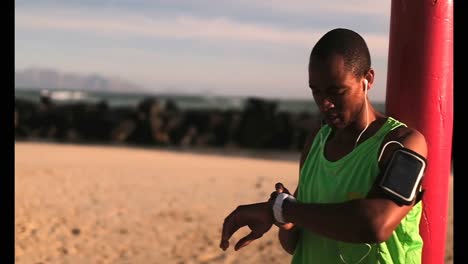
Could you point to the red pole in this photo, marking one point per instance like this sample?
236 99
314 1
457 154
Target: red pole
420 93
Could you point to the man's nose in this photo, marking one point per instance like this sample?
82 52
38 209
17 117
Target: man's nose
326 105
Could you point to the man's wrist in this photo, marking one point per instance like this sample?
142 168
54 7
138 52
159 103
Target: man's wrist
286 206
278 206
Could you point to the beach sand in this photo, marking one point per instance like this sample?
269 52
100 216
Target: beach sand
104 204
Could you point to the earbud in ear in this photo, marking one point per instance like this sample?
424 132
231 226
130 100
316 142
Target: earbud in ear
366 82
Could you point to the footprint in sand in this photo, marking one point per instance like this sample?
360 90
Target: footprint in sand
258 184
75 231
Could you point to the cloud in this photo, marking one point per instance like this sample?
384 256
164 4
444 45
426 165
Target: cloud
127 25
307 7
237 8
194 44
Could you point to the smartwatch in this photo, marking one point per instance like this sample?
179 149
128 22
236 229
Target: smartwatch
278 206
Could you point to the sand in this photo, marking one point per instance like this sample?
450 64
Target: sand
103 204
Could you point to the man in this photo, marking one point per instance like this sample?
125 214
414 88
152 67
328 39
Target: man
341 212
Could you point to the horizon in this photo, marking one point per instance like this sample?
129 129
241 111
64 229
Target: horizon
144 94
243 48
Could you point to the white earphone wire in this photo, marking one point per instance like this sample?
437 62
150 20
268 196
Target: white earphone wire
367 114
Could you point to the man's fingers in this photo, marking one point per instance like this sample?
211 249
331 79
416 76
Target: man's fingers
229 227
246 240
224 244
280 188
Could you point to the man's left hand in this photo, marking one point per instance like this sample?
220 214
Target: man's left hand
258 217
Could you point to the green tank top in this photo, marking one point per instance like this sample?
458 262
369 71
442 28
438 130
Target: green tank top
351 177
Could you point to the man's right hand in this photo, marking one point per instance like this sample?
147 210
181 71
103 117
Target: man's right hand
279 188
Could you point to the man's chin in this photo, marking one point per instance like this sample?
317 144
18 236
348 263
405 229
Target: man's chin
336 124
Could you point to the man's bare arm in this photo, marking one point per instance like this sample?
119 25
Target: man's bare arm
368 220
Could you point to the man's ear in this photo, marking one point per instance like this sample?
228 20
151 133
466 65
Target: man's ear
370 75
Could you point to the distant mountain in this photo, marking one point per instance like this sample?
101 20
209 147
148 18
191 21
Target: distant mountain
39 78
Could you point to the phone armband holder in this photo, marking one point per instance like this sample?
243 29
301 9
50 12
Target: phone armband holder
403 175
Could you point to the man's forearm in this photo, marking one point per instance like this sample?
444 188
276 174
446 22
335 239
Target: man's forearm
288 239
354 221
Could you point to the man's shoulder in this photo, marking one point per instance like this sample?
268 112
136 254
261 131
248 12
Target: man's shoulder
403 133
409 137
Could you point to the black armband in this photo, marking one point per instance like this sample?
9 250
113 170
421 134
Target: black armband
402 176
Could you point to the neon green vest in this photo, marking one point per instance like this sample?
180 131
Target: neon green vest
351 177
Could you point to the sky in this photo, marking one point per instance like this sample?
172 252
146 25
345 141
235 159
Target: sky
218 47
